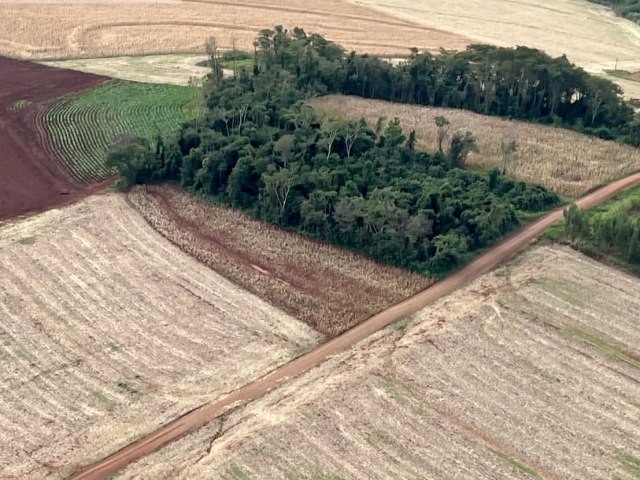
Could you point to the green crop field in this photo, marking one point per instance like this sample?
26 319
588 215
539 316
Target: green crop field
80 127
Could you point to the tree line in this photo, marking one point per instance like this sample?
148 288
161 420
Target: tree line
261 148
629 9
614 232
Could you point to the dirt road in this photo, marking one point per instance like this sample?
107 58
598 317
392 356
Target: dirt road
203 415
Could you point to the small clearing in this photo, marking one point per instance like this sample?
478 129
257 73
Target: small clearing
530 372
566 162
108 331
170 69
329 288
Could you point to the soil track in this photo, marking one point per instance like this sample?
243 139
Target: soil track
203 415
32 181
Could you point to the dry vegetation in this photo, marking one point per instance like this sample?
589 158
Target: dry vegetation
530 372
171 69
589 34
58 31
107 331
329 288
566 162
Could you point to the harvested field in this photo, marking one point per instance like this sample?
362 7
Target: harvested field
530 372
329 288
170 69
107 331
31 179
589 34
99 30
566 162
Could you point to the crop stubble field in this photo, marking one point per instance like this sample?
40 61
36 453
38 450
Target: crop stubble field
107 331
532 371
116 29
329 288
566 162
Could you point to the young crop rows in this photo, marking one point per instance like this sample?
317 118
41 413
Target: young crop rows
82 127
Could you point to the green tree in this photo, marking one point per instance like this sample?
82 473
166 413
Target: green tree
461 146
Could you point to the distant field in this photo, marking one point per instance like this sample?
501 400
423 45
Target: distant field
591 35
531 372
329 288
107 331
81 127
171 69
566 162
62 31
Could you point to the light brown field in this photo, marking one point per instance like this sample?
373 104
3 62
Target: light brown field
589 34
329 288
534 368
107 331
177 69
566 162
59 31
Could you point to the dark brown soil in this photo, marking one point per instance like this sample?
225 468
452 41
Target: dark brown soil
30 180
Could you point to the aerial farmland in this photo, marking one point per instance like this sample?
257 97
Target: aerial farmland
320 240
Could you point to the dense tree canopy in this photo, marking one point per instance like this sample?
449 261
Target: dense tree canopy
261 148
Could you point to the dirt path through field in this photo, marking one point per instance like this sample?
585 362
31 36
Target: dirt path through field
203 415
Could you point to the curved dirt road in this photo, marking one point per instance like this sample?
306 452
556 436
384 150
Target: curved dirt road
205 414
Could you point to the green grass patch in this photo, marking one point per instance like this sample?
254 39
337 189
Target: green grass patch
101 397
609 347
27 241
398 393
630 463
234 472
523 468
84 125
127 387
401 325
19 105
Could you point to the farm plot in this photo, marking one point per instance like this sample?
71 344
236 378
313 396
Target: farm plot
81 127
589 34
118 28
171 69
31 178
329 288
107 331
566 162
530 372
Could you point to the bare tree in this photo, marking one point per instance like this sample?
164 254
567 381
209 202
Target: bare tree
214 59
509 147
442 124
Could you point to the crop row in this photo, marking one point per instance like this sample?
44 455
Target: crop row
81 127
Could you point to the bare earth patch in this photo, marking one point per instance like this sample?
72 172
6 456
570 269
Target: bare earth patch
77 30
329 288
171 69
566 162
108 331
530 372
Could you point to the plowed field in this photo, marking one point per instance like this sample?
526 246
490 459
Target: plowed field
108 331
530 372
31 180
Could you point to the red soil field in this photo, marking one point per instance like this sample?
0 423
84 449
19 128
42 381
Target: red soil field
30 179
